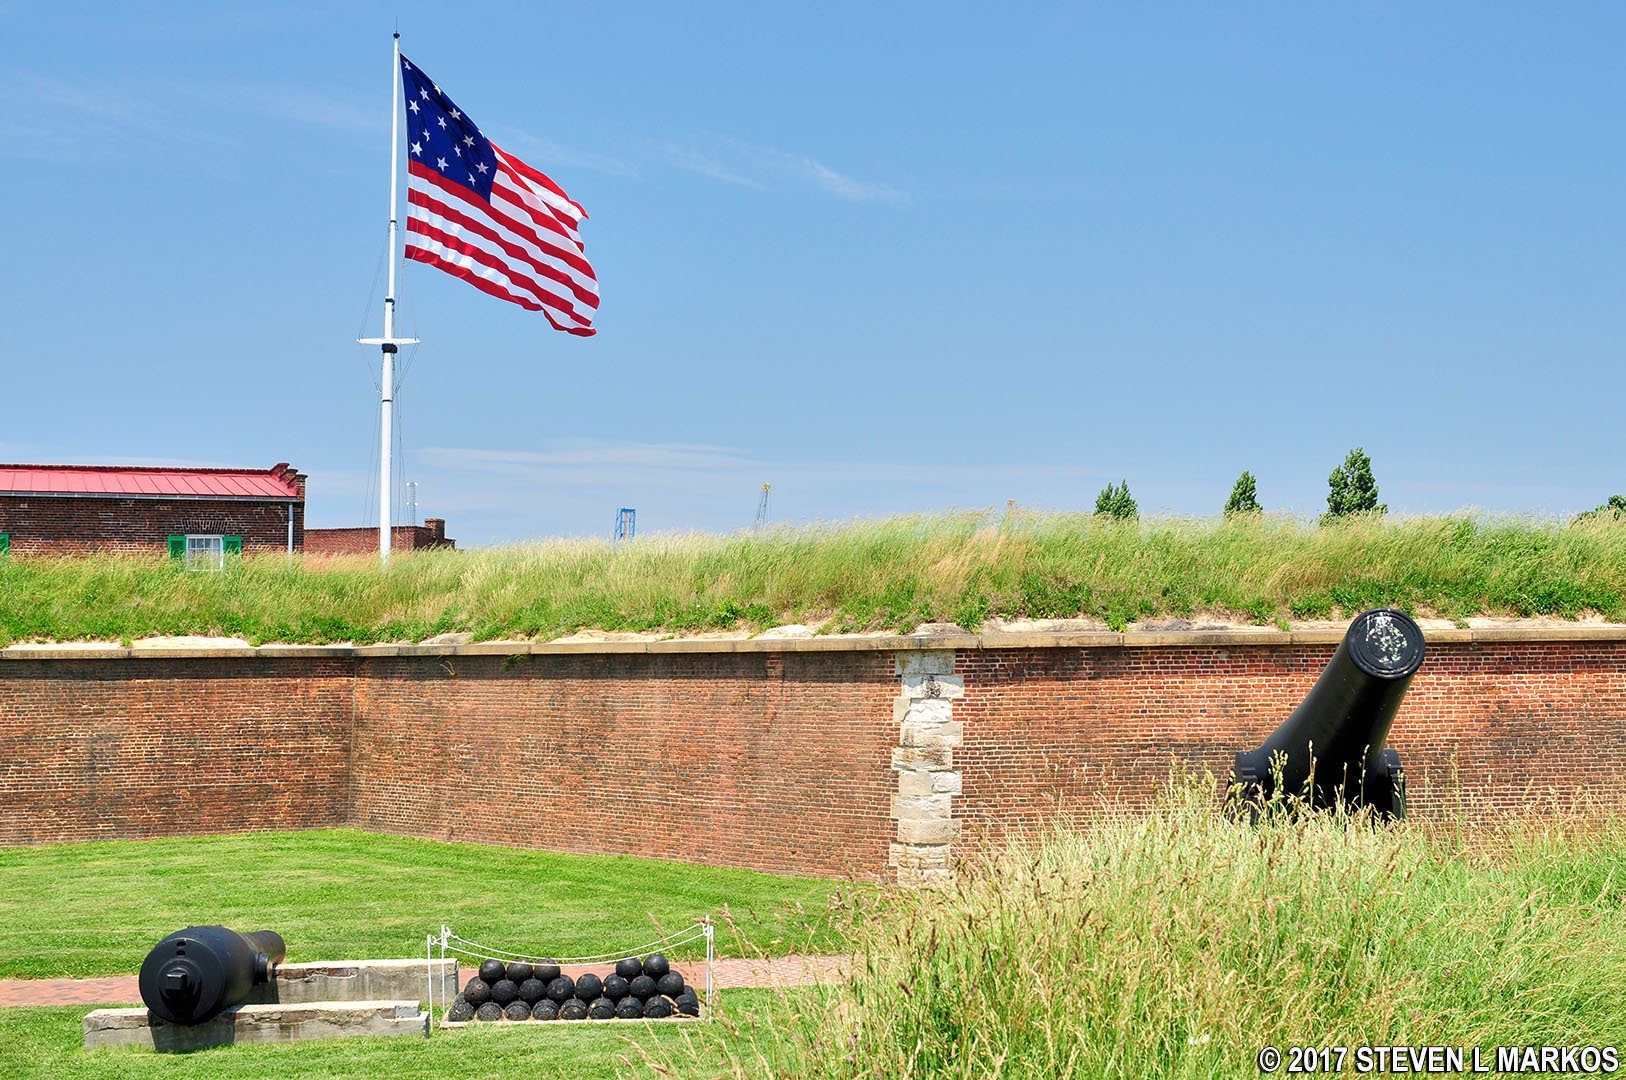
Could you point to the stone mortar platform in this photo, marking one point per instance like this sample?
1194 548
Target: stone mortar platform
279 1023
729 975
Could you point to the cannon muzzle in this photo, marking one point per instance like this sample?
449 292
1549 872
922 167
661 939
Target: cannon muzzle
1331 748
197 973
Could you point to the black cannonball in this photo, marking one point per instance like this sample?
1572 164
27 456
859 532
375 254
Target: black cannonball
574 1009
489 1011
657 1008
492 970
630 968
532 991
601 1009
630 1008
461 1012
518 971
642 988
589 986
562 989
670 984
546 1009
545 972
503 991
477 992
656 965
615 988
687 1003
517 1010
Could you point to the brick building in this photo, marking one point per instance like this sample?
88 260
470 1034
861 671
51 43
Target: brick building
198 515
431 534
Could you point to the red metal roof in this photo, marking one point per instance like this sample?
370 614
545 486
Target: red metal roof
277 483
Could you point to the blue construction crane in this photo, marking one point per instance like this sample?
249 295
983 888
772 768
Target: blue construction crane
762 508
626 523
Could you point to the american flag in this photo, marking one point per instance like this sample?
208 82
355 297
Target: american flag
483 215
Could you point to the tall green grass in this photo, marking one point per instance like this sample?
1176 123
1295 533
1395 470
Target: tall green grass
889 574
1179 944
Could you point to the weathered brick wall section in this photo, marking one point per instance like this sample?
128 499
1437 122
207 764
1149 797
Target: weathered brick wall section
59 525
806 758
112 749
771 761
1067 731
431 534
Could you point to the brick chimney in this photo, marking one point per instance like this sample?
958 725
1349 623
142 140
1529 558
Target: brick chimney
284 472
436 527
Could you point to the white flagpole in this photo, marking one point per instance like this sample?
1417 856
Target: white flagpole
389 343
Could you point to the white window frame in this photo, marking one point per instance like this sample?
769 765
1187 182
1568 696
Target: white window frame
205 552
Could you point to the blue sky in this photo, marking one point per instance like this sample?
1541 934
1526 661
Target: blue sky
888 258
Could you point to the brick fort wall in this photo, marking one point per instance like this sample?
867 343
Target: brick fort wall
102 750
819 757
772 761
431 534
1062 732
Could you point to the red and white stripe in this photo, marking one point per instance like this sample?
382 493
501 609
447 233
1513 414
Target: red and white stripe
522 246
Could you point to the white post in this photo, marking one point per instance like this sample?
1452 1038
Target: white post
389 343
388 403
387 379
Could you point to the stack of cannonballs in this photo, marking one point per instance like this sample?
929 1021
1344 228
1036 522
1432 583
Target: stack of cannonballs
639 989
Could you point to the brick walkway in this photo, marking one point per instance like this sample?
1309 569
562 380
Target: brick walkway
730 974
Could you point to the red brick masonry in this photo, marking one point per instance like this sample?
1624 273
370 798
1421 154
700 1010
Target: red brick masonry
50 525
771 755
431 534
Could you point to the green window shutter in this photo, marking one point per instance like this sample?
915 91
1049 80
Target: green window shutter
177 548
5 544
233 545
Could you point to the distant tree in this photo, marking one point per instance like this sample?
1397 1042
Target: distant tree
1244 496
1351 489
1117 503
1614 509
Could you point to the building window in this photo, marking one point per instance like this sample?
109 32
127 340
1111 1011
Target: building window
205 552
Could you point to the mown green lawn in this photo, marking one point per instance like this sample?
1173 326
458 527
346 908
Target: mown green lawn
49 1042
84 909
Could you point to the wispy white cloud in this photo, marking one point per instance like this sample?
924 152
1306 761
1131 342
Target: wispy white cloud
575 453
546 151
734 161
700 485
801 167
51 119
297 105
695 161
842 185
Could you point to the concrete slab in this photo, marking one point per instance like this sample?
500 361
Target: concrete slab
280 1023
358 980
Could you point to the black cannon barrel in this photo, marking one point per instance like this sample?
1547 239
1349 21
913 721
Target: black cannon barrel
197 973
1337 733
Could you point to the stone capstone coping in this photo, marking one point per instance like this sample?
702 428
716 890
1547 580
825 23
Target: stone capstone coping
1103 639
279 1023
358 980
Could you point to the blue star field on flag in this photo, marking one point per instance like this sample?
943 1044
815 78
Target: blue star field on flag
442 137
